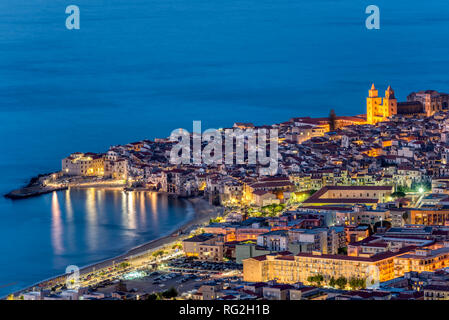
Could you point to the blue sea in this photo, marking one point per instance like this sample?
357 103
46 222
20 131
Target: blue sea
140 68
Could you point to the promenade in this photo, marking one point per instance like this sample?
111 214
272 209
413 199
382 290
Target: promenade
142 254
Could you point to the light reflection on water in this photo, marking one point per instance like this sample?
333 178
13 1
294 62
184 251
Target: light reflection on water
56 234
92 213
142 208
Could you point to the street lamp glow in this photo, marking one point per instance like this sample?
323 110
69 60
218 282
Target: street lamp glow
421 190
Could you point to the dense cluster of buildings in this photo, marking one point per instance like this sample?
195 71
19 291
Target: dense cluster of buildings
408 149
357 212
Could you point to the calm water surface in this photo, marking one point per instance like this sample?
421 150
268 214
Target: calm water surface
141 68
80 226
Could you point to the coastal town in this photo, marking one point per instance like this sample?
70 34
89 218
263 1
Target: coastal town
357 210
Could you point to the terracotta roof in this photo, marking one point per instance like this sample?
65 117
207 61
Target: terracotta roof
376 257
260 192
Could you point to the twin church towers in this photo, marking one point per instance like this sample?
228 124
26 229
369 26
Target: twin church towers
422 103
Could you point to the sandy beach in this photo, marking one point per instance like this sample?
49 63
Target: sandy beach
203 212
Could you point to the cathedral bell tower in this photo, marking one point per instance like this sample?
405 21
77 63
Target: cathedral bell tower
390 105
373 105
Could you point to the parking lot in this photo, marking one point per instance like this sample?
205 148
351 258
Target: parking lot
195 266
184 274
160 281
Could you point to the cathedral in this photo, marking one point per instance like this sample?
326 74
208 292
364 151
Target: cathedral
423 103
378 110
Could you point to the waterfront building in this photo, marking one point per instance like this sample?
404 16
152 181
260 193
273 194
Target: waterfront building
304 292
83 164
274 240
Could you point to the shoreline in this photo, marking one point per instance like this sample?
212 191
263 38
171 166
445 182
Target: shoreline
202 213
28 192
39 185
